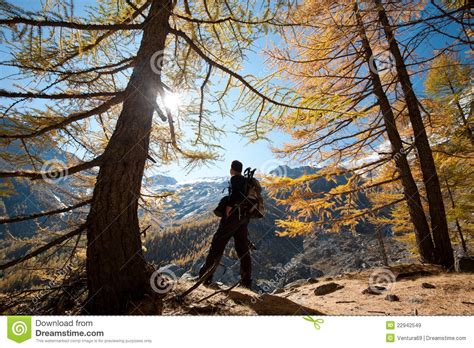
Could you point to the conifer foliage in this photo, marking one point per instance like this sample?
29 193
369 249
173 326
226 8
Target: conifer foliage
99 82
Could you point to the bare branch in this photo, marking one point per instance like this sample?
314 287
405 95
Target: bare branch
54 173
69 119
201 104
45 213
71 25
43 248
8 94
228 71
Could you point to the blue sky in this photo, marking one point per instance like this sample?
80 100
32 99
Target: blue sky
256 154
235 146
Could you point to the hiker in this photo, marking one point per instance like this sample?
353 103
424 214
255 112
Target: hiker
234 222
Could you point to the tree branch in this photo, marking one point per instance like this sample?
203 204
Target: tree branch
54 173
8 94
226 70
71 25
101 38
201 104
365 187
43 248
127 62
46 213
69 119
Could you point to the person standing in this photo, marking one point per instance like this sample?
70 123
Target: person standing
234 223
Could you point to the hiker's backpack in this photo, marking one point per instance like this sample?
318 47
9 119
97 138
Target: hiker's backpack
253 191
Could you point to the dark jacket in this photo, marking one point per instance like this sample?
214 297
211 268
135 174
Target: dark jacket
237 190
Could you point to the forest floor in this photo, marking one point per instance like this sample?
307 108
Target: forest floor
415 290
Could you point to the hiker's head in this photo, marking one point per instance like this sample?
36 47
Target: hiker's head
236 167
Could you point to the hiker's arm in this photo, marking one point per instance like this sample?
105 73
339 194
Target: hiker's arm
234 196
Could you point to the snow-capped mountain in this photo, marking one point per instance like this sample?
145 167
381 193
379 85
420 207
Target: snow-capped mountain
192 198
198 197
20 196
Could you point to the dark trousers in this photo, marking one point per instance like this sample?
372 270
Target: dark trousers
231 226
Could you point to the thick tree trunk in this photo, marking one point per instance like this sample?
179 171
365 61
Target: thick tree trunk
411 193
439 225
116 270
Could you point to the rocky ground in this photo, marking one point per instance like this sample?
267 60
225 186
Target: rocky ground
409 289
325 254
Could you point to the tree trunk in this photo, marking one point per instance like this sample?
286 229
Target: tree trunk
458 225
467 127
410 190
116 269
383 252
439 225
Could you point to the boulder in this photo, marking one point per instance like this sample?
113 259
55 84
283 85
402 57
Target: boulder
374 290
392 298
327 289
427 286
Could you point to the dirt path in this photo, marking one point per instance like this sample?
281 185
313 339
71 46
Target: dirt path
416 291
453 295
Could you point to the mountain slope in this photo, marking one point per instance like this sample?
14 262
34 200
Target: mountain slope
185 243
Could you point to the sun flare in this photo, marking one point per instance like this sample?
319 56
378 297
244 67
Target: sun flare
172 101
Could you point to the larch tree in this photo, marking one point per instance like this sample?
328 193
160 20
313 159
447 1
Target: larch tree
337 68
452 149
447 89
448 100
437 212
102 80
341 58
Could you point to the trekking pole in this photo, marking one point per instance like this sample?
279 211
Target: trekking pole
201 280
218 292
